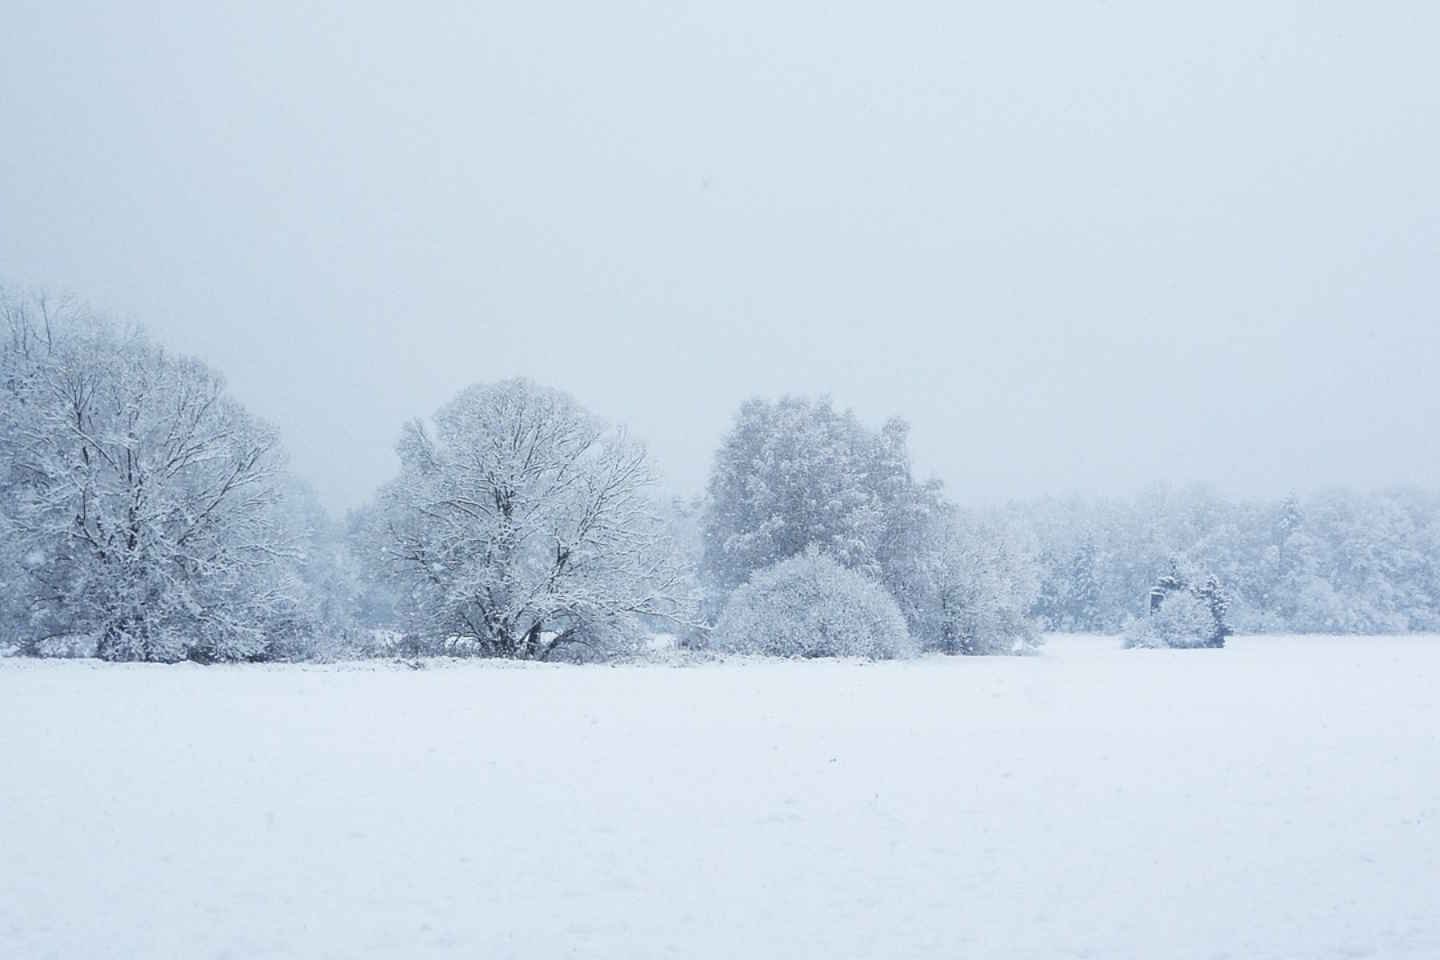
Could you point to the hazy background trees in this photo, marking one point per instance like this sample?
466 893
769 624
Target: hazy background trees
1335 561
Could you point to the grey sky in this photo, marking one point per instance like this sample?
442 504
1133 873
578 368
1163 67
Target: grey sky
1081 246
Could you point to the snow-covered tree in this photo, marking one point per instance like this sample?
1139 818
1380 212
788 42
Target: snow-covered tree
1069 596
682 518
810 606
521 526
985 589
796 474
791 475
13 610
1217 601
378 598
141 498
320 584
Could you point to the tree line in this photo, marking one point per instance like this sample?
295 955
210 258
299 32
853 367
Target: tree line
1332 561
146 515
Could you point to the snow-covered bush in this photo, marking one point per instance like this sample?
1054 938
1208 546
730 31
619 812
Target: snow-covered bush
1182 615
1184 620
811 606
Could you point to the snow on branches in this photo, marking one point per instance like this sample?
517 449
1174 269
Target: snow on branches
141 498
522 528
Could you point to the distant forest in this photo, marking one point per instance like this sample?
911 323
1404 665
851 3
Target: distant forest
1334 561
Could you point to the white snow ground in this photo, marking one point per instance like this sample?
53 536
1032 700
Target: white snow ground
1280 798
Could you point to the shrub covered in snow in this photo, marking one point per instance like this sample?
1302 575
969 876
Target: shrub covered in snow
1188 615
811 606
1184 620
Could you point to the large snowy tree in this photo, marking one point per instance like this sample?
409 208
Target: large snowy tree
796 474
141 499
791 475
522 526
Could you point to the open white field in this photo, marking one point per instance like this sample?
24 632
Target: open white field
1280 798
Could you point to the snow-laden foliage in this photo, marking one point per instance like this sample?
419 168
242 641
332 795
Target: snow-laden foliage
377 600
317 618
985 587
520 526
811 606
13 579
143 506
682 519
797 474
1183 621
1187 615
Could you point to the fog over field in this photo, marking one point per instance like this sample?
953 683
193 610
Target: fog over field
1082 247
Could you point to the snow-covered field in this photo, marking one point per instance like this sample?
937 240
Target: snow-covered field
1280 798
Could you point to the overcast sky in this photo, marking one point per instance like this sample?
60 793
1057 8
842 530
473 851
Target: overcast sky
1081 246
